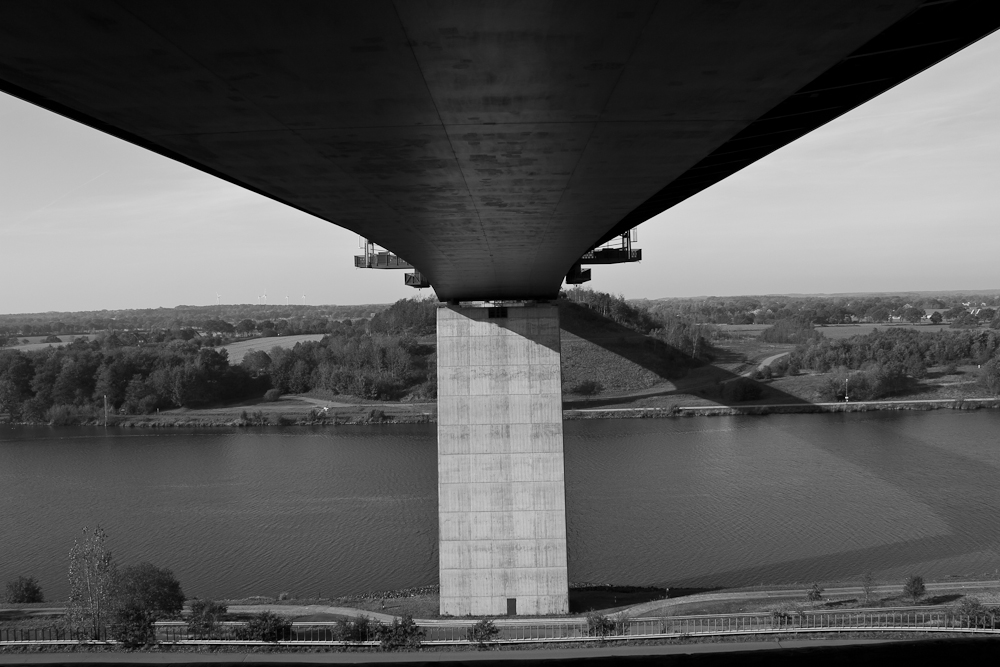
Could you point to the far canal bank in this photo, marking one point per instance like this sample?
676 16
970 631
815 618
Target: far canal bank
295 410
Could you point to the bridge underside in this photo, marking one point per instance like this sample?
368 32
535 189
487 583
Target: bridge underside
490 144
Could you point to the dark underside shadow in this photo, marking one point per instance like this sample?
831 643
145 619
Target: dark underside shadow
585 598
688 374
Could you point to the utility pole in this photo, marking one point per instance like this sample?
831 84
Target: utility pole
105 410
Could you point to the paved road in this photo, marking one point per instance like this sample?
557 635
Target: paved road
527 656
638 610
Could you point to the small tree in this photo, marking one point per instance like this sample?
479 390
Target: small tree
400 634
815 593
868 585
599 625
621 623
92 579
205 617
483 632
914 587
24 590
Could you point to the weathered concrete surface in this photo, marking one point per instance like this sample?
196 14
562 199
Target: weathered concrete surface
501 490
488 143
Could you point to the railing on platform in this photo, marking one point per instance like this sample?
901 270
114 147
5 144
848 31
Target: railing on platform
380 260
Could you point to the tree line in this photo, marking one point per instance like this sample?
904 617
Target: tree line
679 331
62 385
977 309
887 362
281 319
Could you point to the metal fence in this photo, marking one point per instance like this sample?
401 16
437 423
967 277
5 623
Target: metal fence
515 631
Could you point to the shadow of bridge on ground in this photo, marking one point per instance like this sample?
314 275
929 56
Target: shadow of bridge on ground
688 375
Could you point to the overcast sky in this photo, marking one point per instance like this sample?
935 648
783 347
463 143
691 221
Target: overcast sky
901 194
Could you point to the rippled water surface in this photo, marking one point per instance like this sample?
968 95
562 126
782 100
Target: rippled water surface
696 502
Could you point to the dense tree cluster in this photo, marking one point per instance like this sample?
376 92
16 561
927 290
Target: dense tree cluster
47 385
382 361
873 381
121 604
884 363
914 351
380 358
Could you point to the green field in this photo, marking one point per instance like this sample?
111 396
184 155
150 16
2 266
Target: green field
239 349
848 330
837 330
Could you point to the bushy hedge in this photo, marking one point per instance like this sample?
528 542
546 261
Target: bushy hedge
23 590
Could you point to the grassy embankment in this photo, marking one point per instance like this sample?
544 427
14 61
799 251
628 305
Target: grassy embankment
423 603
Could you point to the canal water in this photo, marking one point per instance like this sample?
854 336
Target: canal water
719 501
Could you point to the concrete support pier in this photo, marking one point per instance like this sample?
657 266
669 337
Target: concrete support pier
501 490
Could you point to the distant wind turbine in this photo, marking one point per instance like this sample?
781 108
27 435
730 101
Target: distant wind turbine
218 298
303 299
286 299
265 298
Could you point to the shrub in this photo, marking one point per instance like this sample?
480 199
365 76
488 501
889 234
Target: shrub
67 415
23 590
483 631
599 625
971 613
360 629
265 627
587 388
272 395
132 625
914 587
400 634
205 618
740 389
779 617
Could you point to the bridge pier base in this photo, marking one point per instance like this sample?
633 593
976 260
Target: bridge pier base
501 490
